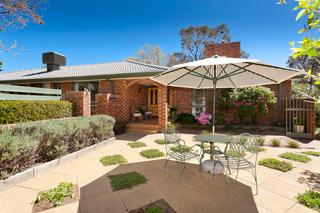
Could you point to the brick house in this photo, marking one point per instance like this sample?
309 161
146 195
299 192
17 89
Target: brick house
121 88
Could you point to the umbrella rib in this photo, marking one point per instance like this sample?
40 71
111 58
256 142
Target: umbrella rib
183 75
235 72
228 76
256 74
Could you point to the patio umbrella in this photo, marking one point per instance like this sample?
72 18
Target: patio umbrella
223 72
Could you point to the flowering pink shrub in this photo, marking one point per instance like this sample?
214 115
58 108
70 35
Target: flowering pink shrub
204 118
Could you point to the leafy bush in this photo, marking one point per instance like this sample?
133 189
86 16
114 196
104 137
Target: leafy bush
251 102
56 195
119 127
275 142
160 141
276 164
186 118
295 157
112 160
293 144
136 144
31 143
151 153
310 199
126 180
23 111
312 153
260 140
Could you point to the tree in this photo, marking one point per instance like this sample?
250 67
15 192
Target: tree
150 54
17 13
177 58
194 39
309 46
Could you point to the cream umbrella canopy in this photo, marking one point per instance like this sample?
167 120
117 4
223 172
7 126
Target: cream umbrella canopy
223 72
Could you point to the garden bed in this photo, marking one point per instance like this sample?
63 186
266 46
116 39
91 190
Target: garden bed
63 194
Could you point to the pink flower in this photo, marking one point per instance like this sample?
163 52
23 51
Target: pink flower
204 118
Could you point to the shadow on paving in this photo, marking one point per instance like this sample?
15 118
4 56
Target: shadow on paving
194 194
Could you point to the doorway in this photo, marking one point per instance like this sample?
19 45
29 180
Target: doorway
153 100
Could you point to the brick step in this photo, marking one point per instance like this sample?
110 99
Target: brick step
143 126
149 131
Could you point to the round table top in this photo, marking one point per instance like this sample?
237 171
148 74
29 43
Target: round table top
210 138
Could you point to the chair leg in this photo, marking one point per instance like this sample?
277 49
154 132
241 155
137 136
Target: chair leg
214 168
184 165
256 179
237 171
165 166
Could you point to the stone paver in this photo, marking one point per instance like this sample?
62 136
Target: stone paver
277 190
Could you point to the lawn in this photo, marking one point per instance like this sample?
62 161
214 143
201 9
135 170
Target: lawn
276 164
112 160
295 157
126 180
151 153
136 144
312 153
160 141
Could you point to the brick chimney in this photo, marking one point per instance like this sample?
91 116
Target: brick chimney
231 49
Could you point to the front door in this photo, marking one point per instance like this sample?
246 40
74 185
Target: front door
153 100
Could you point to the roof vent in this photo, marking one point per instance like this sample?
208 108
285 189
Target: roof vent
53 60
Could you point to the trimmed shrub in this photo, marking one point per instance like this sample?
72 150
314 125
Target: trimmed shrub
23 111
275 142
260 140
293 144
120 127
31 143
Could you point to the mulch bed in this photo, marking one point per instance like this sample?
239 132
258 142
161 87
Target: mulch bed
159 203
44 205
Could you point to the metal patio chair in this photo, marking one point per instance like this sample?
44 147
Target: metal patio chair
241 155
176 149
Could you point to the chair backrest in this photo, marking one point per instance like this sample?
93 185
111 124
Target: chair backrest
244 146
172 137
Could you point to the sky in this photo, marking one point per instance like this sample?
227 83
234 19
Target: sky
98 31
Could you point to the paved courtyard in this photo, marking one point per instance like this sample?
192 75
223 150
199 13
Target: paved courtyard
277 190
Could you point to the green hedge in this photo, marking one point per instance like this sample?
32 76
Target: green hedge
23 111
31 143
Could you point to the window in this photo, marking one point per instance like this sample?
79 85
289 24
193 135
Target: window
92 86
198 101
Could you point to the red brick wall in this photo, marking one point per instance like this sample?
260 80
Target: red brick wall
66 86
231 49
81 101
181 98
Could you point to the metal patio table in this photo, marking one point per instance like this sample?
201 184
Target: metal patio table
210 138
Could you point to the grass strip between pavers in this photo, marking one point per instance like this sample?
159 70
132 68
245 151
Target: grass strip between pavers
126 180
276 164
136 144
181 148
151 153
112 160
295 157
312 153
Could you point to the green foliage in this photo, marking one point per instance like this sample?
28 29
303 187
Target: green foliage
171 126
112 160
276 164
293 144
295 157
160 141
186 118
260 140
252 102
154 209
151 153
126 180
181 148
275 142
136 144
23 111
56 195
32 143
312 153
310 199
